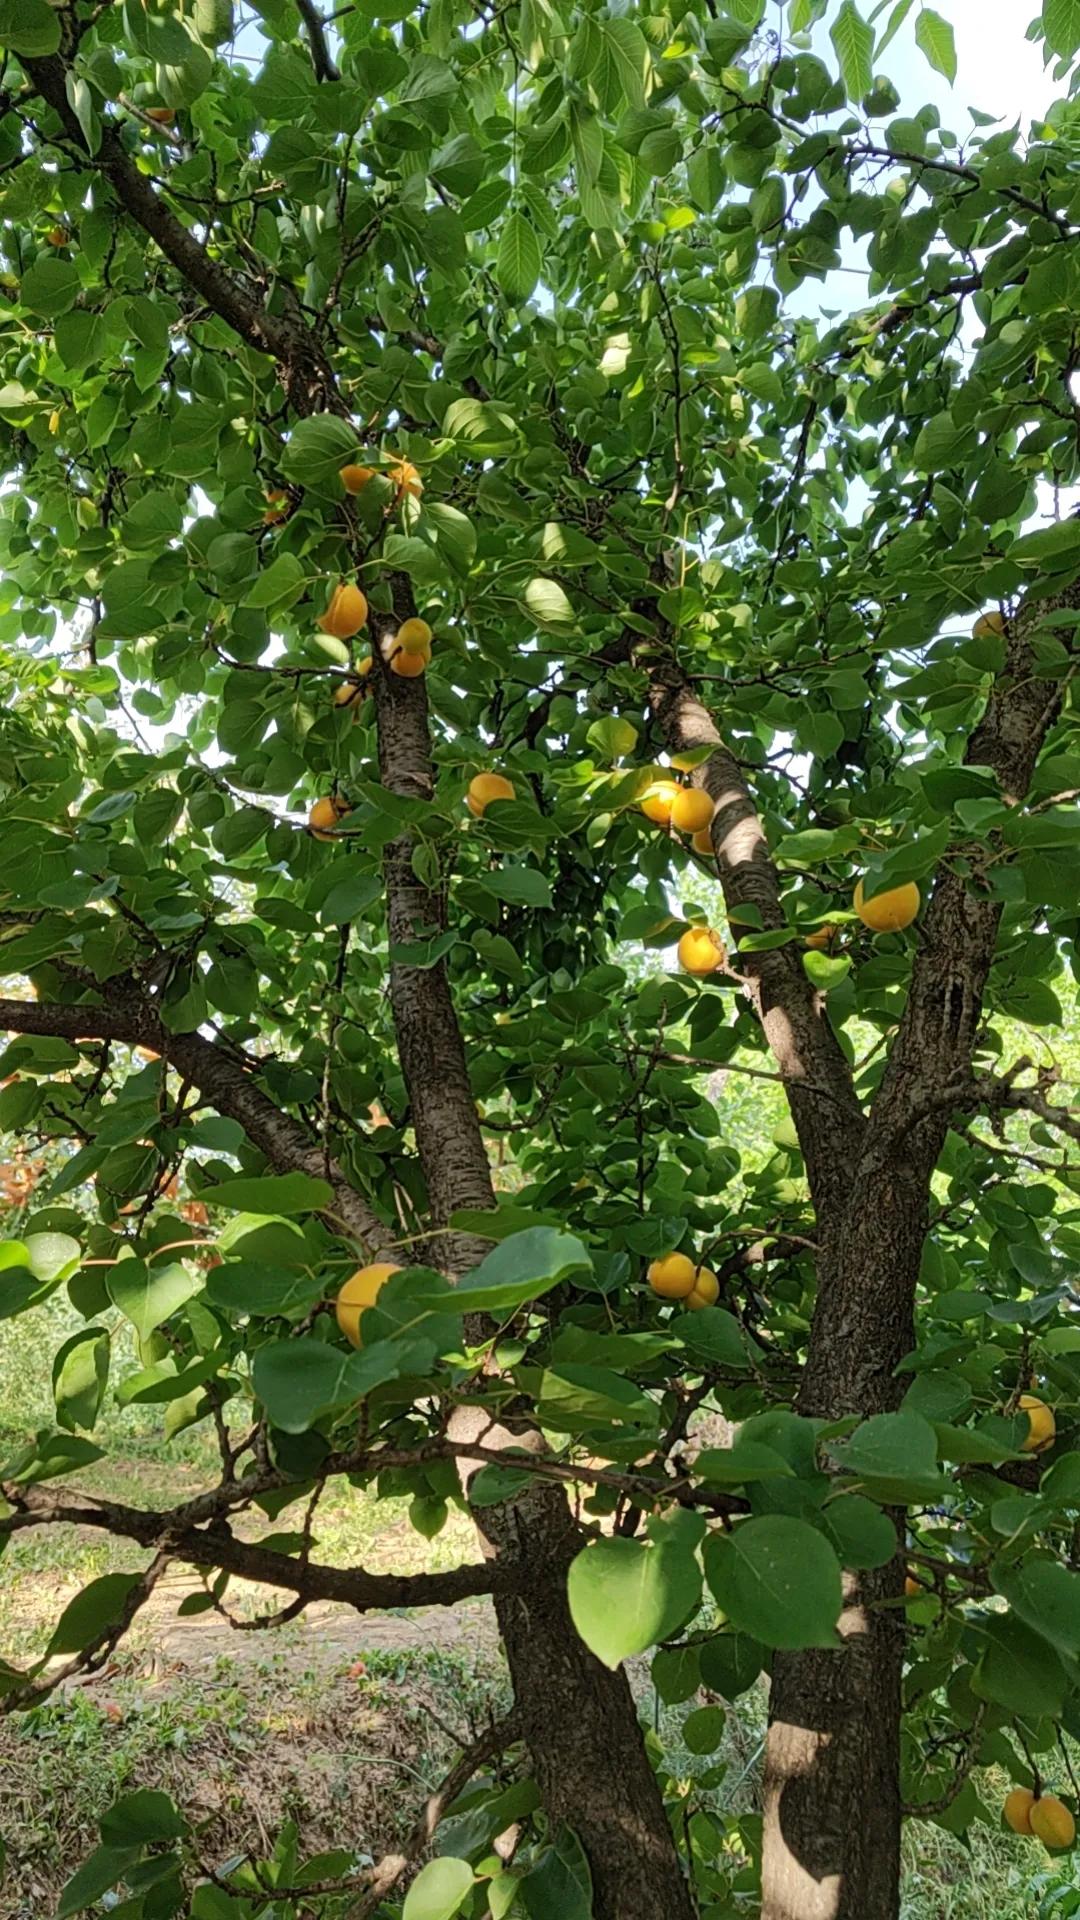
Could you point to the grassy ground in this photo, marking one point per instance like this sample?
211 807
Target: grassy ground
337 1722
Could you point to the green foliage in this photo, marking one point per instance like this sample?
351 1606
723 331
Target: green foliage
564 264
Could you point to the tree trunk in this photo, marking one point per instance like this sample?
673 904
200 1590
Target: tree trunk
578 1719
832 1796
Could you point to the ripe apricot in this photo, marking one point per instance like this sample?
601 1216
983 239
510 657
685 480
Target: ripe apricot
415 636
702 841
1051 1821
325 814
406 478
1016 1811
913 1589
656 805
361 1290
350 693
1042 1426
409 665
672 1276
58 236
691 810
821 938
701 951
355 479
346 613
705 1290
485 788
988 623
888 912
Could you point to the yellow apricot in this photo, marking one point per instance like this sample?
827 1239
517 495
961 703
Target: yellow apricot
821 938
406 478
1051 1821
705 1290
656 805
1042 1426
702 841
672 1276
409 665
415 636
355 479
361 1290
988 623
1016 1811
485 788
691 810
701 951
346 613
888 912
325 814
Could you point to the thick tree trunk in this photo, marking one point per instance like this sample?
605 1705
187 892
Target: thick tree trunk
579 1720
832 1798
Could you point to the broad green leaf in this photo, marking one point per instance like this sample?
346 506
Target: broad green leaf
853 41
1061 25
1046 1595
520 1269
101 1871
626 1595
439 1890
139 1818
272 1193
148 1296
92 1612
29 26
935 36
517 268
300 1380
79 1376
778 1579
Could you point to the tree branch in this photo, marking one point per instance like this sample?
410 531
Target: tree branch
315 28
225 1078
17 1698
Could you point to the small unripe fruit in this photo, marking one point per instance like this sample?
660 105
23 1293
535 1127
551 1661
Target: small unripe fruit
361 1290
1051 1821
350 693
705 1290
1042 1426
58 236
355 479
161 116
988 623
700 951
822 938
672 1276
888 912
346 613
415 636
656 805
691 809
913 1589
325 814
485 788
1016 1811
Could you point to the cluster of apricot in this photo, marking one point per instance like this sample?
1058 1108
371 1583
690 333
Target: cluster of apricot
675 1277
1041 1814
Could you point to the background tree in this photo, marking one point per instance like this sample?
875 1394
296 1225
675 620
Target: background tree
491 312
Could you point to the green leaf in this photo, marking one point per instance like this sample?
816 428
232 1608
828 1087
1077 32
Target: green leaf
300 1380
894 1455
741 1464
139 1818
1061 26
713 1334
559 1885
520 1269
626 1595
518 263
104 1868
439 1890
1047 1596
612 738
853 41
935 37
92 1612
703 1730
778 1579
242 1286
272 1193
29 26
148 1296
278 585
51 285
520 886
862 1535
1019 1670
79 1376
52 1256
